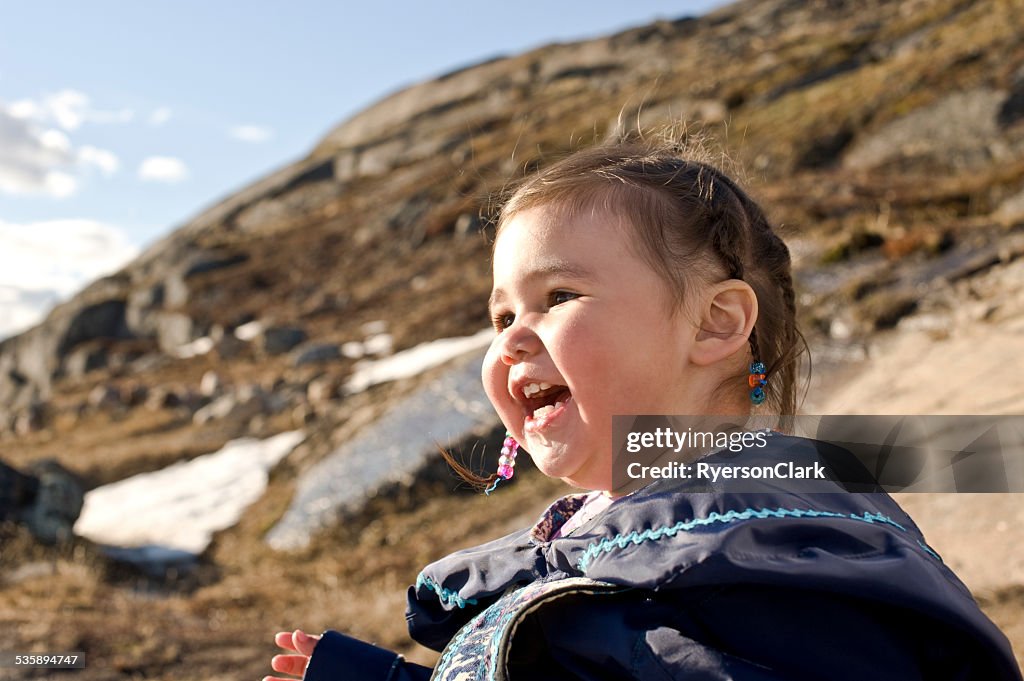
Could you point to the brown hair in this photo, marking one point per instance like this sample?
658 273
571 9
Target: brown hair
693 223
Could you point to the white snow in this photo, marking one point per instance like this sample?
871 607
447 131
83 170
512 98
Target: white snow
176 511
181 506
199 346
353 349
414 360
379 344
249 330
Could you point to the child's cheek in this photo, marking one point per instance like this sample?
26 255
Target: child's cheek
494 375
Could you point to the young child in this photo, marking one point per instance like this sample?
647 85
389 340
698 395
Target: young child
628 280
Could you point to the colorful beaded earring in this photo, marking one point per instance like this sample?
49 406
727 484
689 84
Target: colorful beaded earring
757 381
506 462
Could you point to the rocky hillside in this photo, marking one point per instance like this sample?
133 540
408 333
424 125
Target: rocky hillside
889 131
886 137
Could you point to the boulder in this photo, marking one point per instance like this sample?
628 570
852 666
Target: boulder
85 358
174 330
278 340
315 353
210 384
50 500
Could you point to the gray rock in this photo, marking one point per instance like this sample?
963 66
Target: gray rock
393 450
51 516
278 340
229 347
211 261
104 396
85 358
957 132
173 330
314 353
140 311
276 402
175 290
105 319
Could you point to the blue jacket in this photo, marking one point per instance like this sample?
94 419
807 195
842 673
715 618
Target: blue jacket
682 581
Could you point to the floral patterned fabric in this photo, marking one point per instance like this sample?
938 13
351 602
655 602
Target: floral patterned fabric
479 651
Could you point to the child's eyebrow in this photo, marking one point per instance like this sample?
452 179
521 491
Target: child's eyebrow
562 268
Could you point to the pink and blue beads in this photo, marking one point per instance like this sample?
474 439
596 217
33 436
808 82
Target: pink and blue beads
507 460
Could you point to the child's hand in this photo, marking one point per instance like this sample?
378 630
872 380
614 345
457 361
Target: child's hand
298 642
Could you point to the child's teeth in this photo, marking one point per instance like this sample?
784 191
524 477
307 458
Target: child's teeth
534 388
543 411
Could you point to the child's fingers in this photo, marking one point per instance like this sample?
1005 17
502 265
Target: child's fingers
289 664
303 642
283 639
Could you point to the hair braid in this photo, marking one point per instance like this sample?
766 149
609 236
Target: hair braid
752 251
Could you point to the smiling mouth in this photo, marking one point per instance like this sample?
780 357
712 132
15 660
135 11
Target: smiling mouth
543 402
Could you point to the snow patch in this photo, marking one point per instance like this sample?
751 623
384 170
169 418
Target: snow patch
178 508
415 360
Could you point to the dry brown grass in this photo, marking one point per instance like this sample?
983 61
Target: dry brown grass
219 619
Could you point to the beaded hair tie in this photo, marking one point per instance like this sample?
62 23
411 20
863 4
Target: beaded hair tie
506 462
757 381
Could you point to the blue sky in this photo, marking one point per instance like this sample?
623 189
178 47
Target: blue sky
120 120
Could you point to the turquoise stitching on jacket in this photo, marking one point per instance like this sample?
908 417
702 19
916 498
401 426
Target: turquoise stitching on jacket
621 541
447 596
930 551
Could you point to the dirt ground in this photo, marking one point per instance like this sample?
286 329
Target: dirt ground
972 343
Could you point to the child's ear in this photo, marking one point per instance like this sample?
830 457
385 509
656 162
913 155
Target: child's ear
727 317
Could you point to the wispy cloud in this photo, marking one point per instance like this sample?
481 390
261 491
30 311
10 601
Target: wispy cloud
159 116
60 185
253 134
37 158
68 109
105 160
163 169
43 262
33 161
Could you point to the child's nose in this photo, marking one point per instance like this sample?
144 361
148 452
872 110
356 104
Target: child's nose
518 343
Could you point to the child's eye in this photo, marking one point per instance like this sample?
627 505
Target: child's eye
502 320
559 297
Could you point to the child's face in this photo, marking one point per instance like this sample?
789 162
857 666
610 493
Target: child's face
576 309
